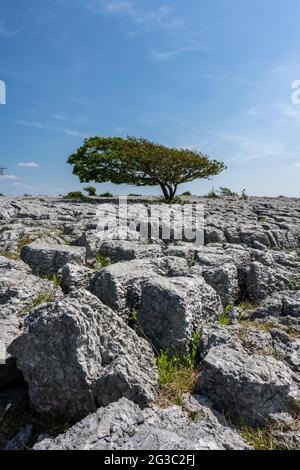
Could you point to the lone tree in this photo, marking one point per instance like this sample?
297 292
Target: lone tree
140 162
2 170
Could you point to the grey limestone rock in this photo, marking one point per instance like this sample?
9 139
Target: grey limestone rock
75 276
66 348
171 309
48 259
123 426
241 376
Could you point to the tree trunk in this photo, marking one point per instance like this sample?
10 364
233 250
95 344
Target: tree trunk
169 191
165 191
174 189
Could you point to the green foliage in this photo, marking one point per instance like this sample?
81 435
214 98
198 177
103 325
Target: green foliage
24 240
186 193
140 162
104 261
224 319
194 348
266 326
74 195
2 195
212 194
91 190
177 374
265 439
133 318
168 364
9 255
27 195
42 298
175 200
246 306
56 281
107 194
190 263
244 196
226 192
134 195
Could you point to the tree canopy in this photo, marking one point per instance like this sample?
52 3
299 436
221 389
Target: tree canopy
140 162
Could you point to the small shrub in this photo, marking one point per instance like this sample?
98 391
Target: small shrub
134 195
107 194
56 281
226 192
24 240
244 196
212 195
246 306
2 195
90 190
224 319
42 298
104 261
177 374
175 200
133 318
186 193
74 195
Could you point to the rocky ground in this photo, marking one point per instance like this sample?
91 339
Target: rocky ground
90 326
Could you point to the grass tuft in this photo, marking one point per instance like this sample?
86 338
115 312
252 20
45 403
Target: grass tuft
246 325
177 374
224 320
104 261
56 281
10 255
42 298
133 318
265 439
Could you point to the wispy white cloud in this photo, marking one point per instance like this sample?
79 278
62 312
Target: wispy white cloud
289 110
28 165
280 109
150 18
9 177
58 117
21 185
255 111
75 133
170 54
246 148
220 74
34 124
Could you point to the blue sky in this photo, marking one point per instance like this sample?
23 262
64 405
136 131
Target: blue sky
214 76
